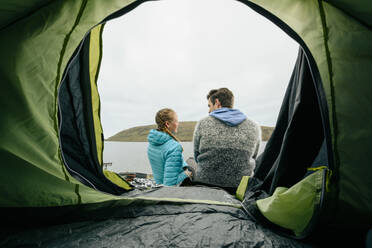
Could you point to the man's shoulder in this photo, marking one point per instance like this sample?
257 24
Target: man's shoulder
205 120
251 122
251 126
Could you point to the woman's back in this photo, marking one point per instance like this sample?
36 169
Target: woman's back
166 159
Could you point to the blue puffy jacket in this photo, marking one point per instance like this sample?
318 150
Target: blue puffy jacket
166 158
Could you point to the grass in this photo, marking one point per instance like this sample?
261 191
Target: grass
185 133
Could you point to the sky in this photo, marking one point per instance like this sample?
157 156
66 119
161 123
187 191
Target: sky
170 53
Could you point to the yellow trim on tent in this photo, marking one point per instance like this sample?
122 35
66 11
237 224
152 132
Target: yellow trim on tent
240 192
180 200
328 176
113 177
94 61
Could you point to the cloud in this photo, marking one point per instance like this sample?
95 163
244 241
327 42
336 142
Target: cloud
171 53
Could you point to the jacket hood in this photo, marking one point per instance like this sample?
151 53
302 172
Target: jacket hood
231 117
158 138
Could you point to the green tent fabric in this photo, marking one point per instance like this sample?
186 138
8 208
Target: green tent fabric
338 38
293 208
48 47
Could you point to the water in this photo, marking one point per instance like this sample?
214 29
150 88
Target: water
132 156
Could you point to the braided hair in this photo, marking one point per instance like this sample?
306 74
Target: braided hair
163 116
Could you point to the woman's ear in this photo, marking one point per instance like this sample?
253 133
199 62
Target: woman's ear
167 124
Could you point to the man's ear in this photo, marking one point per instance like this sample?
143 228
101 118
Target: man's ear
218 103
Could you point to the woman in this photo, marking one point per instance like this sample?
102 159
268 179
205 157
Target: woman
165 151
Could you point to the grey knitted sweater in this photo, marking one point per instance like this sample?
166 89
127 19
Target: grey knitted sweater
224 153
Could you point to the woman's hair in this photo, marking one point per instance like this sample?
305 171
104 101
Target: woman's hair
161 117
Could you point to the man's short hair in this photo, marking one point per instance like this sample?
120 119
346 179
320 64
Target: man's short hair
224 95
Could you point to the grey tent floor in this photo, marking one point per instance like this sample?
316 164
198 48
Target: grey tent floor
162 225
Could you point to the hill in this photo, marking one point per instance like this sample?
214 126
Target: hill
185 133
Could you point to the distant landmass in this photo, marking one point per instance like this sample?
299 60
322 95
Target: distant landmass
185 133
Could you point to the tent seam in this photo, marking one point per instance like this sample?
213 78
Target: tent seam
96 81
78 193
63 50
332 89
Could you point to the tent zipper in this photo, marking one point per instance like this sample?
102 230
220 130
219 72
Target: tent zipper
61 119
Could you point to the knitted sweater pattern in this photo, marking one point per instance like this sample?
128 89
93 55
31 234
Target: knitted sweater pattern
223 153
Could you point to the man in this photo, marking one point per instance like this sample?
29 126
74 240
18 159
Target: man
224 142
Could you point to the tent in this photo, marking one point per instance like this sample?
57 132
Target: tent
51 137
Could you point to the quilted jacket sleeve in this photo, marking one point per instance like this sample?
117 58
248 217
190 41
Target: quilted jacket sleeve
173 168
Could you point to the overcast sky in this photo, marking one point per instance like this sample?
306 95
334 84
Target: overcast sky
170 53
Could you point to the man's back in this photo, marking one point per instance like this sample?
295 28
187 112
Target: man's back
223 151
